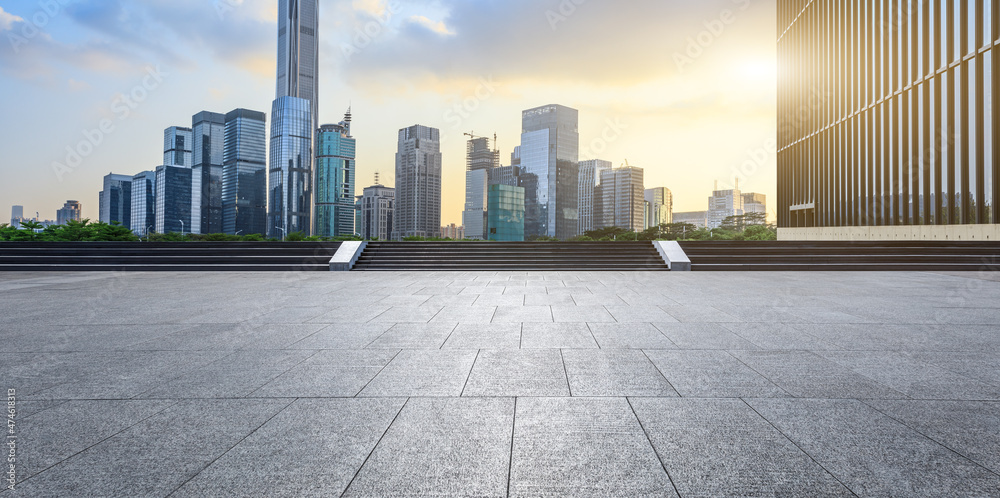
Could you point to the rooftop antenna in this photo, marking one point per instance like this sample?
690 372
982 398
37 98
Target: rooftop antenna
376 178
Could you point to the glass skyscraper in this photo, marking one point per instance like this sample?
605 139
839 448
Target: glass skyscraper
209 136
298 53
177 143
886 116
335 172
659 204
289 200
505 213
143 202
549 155
116 200
590 176
173 199
244 173
418 183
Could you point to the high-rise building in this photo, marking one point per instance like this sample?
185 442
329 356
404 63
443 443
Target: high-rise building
888 118
505 175
659 207
622 199
418 183
549 160
289 201
298 53
16 215
590 176
505 208
377 206
177 143
115 202
453 232
754 203
173 199
244 173
209 131
481 159
143 203
723 204
72 210
335 174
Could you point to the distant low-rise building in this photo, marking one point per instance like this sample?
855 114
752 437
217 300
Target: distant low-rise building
376 211
696 218
453 232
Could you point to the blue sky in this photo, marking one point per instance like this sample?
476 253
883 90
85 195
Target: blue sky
683 89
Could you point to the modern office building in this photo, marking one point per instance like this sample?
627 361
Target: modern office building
208 135
887 120
72 210
754 203
289 201
590 177
298 53
549 158
16 215
453 232
335 174
377 206
505 175
115 202
173 199
659 207
143 203
622 197
244 173
723 204
177 143
418 183
696 218
505 209
481 159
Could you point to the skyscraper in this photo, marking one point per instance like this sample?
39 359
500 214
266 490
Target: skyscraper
622 199
505 209
590 176
16 215
115 202
754 203
177 143
887 117
173 199
480 160
244 173
143 202
377 210
71 210
298 53
659 207
723 204
418 183
549 160
289 200
335 174
209 130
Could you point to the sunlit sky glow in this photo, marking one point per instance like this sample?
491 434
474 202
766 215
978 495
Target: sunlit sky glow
682 88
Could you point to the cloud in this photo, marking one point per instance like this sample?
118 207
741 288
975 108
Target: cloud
437 27
77 86
7 20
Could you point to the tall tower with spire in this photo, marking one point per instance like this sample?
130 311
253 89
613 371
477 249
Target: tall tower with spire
298 52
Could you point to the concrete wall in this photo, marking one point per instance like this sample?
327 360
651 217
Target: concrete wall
938 232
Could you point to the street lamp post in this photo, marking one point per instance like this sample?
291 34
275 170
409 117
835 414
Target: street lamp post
182 227
147 232
282 233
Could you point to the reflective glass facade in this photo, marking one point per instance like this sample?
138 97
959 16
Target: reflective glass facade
505 213
173 199
659 207
335 175
590 176
418 183
143 202
177 143
549 155
116 200
298 53
244 173
290 167
208 133
886 113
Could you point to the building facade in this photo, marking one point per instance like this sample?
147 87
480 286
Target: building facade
244 173
723 204
754 203
590 177
883 127
289 202
474 215
622 198
298 53
505 175
659 207
177 143
505 209
549 158
173 199
335 179
208 135
143 203
696 218
418 183
72 210
115 202
377 206
453 232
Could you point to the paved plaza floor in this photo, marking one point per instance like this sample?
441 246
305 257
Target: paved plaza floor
502 384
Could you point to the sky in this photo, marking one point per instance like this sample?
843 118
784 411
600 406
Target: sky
684 89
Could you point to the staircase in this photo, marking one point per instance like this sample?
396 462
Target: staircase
843 256
166 256
472 256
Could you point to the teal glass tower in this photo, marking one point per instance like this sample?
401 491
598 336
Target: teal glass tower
334 182
505 213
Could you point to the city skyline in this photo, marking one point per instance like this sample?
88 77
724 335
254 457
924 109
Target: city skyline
631 111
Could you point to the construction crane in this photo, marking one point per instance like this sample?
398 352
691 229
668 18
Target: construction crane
473 136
